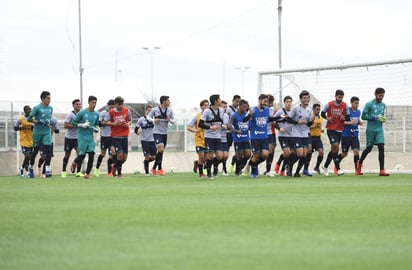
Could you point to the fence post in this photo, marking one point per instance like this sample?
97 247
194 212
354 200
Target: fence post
404 134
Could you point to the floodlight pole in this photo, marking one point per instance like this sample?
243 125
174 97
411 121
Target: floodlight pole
81 69
151 51
280 49
243 70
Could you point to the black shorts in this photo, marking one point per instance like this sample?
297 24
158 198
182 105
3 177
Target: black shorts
334 136
350 142
298 142
272 139
213 145
105 143
242 146
285 142
259 145
70 144
316 143
121 144
160 139
149 148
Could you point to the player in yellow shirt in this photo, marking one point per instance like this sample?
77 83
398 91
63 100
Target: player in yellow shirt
316 142
26 138
193 126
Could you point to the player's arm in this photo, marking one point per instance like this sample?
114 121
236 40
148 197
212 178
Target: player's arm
323 112
171 118
367 113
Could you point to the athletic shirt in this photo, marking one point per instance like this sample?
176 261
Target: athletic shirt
316 128
158 113
259 123
147 129
283 124
41 112
71 133
26 131
336 111
225 131
200 135
123 117
271 128
352 130
213 118
104 130
238 124
373 108
300 113
86 134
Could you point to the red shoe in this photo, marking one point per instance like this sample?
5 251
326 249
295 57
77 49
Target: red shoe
87 176
335 170
359 168
357 172
110 174
195 166
383 173
161 172
277 167
282 173
154 172
113 171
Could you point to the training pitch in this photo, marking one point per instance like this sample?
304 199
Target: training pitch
181 222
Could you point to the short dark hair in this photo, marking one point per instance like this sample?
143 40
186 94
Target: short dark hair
315 105
262 96
271 98
213 99
26 107
148 106
91 98
243 101
287 97
118 100
304 93
44 94
75 101
203 102
163 99
110 102
379 90
353 99
339 92
235 97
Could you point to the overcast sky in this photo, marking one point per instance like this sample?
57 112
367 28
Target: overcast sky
202 44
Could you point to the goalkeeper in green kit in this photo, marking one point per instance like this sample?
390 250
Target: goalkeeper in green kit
374 112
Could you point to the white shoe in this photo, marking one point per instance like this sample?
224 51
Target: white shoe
270 174
225 174
325 171
340 172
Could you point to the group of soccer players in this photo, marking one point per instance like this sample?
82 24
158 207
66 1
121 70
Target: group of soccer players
253 134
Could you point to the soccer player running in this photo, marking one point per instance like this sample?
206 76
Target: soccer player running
144 127
212 122
284 136
335 112
105 142
374 113
70 138
193 126
271 138
26 138
119 119
161 117
87 120
350 134
54 128
225 145
230 110
315 143
41 117
241 138
301 114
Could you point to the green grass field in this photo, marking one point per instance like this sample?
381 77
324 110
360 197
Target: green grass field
181 222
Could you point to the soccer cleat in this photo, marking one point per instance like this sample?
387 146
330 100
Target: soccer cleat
230 169
31 173
21 172
87 176
96 172
359 168
325 171
317 170
73 167
154 172
48 174
64 175
253 175
282 173
120 176
225 173
161 172
358 173
296 174
307 172
110 174
79 174
215 171
195 166
113 169
335 170
277 167
270 174
383 173
147 174
340 172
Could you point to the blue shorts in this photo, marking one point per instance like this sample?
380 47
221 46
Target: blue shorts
284 142
316 143
334 136
160 139
299 142
352 142
105 143
259 145
200 149
70 144
213 145
26 150
121 144
225 147
242 146
149 148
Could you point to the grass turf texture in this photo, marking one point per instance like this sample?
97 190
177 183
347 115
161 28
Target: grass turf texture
181 222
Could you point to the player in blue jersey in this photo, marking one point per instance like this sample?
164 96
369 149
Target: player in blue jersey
350 135
374 113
